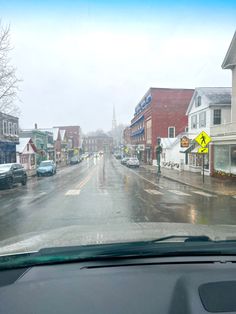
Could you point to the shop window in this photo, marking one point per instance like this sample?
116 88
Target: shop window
171 131
194 122
222 158
202 119
217 116
233 158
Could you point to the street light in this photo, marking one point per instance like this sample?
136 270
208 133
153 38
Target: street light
158 156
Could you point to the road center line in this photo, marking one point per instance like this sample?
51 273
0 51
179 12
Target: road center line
153 183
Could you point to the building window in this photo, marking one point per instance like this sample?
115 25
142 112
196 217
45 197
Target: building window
27 147
198 101
217 116
186 129
5 127
171 131
202 119
9 127
194 122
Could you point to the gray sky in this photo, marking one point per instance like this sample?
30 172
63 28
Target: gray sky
77 62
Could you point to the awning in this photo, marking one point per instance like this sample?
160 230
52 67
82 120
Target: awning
186 150
138 120
138 132
195 150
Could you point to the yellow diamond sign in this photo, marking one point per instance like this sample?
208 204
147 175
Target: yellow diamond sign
203 139
203 150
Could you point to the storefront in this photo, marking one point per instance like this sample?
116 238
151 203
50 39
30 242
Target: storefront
195 160
7 152
148 155
225 158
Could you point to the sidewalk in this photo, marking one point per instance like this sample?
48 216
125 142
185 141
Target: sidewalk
211 184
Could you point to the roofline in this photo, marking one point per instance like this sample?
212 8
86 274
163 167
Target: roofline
224 64
195 91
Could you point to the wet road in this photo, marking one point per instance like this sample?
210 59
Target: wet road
102 191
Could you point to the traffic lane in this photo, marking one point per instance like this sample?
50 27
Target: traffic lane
46 183
36 207
163 200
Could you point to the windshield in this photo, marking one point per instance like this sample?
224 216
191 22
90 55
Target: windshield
123 117
45 163
5 167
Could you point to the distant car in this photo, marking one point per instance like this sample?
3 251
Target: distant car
46 167
133 162
74 160
124 160
11 174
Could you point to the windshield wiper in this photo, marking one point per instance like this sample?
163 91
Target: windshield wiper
202 238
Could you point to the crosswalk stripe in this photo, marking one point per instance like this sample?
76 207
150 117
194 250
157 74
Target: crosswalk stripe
72 192
204 193
153 192
179 193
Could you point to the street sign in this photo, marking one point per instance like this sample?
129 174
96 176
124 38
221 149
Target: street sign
203 150
203 139
184 141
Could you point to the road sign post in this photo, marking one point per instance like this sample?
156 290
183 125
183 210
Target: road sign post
203 139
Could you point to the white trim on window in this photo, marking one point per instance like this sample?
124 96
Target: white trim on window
172 128
4 127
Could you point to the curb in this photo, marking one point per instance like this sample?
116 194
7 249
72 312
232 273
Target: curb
189 184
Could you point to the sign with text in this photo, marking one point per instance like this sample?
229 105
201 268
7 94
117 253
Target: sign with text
184 141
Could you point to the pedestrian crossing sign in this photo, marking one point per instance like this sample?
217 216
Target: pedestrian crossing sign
203 139
203 150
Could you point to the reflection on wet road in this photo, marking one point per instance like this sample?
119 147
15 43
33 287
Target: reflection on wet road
102 191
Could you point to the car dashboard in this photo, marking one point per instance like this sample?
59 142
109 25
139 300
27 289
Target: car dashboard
174 285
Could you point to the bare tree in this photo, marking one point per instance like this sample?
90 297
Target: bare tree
8 79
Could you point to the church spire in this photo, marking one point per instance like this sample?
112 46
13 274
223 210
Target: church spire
114 125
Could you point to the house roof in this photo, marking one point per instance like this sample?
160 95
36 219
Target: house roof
230 58
54 131
212 95
23 141
167 142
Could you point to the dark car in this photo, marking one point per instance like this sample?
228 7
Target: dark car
11 174
46 167
75 160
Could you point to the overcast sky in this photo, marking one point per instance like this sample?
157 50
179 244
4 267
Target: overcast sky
79 58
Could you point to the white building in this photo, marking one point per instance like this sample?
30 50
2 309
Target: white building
224 135
26 153
209 107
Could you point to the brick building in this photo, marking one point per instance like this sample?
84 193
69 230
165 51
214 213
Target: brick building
160 113
127 136
97 143
73 134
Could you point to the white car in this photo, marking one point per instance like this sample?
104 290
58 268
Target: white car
132 162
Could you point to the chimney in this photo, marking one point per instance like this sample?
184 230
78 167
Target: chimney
35 126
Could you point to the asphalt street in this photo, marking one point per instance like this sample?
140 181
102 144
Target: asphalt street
102 191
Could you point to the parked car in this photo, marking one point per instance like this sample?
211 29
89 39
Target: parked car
46 167
124 160
75 160
11 174
133 162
